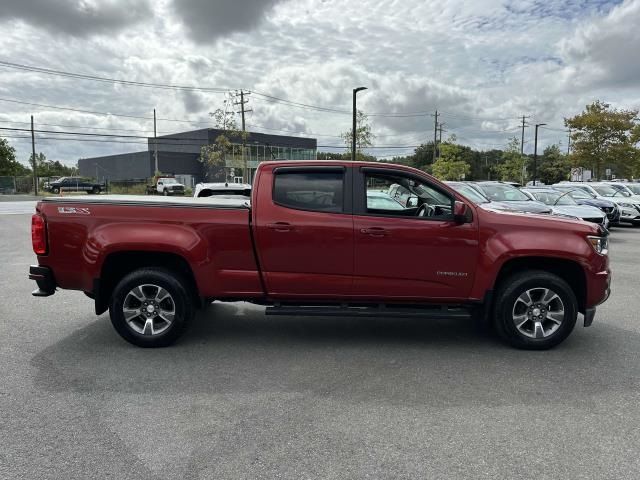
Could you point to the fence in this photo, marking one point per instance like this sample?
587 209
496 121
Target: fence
136 186
11 185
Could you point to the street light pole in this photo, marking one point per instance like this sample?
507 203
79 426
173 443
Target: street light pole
353 132
535 153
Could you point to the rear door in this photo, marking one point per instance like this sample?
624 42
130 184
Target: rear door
304 231
415 252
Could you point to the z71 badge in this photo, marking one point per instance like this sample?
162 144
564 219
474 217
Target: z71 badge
76 210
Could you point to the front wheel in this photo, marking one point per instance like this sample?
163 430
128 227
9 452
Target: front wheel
165 192
151 307
535 310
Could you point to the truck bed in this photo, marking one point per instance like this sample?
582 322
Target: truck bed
212 235
210 202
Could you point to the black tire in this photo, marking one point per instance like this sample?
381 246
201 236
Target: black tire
95 190
165 192
182 301
507 298
55 190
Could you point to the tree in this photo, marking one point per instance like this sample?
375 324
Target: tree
451 164
364 135
512 167
554 166
9 166
214 156
603 137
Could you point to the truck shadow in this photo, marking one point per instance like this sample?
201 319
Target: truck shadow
235 348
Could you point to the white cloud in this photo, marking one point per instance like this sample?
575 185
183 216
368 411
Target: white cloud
483 64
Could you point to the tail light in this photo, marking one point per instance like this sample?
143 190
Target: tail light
39 234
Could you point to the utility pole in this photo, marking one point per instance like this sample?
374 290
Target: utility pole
440 129
245 164
569 143
535 153
524 125
155 143
355 123
35 163
435 137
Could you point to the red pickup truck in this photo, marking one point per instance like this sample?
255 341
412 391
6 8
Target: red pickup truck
323 238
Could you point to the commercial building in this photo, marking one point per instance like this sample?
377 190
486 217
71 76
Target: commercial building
179 154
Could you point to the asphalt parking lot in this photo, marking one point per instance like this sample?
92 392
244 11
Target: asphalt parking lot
248 396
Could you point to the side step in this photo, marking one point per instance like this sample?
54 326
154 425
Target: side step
377 310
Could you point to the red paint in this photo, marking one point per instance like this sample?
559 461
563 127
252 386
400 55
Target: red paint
310 255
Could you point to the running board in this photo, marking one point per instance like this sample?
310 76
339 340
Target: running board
381 310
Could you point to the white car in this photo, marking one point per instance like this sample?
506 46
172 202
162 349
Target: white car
564 205
222 189
169 186
629 205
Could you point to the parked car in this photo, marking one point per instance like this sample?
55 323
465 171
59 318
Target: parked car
309 245
75 184
585 197
505 193
632 189
563 204
377 200
226 189
165 186
629 204
473 194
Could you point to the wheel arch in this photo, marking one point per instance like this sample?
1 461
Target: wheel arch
117 265
570 271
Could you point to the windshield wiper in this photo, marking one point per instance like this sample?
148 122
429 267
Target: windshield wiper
560 197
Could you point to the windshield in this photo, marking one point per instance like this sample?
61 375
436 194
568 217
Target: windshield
553 198
168 180
579 194
469 192
606 191
503 193
634 187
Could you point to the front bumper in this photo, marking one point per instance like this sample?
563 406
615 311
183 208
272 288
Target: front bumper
599 291
44 279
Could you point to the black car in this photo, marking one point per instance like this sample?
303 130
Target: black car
75 184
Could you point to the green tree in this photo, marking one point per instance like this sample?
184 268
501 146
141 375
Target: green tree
9 166
512 167
604 137
214 156
451 164
50 168
554 166
364 136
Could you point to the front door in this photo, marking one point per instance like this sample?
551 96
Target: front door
304 231
408 246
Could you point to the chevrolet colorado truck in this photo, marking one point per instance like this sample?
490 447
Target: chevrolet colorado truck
313 240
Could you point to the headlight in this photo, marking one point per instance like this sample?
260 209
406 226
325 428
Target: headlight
626 205
599 244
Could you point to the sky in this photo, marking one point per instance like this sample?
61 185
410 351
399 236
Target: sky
482 64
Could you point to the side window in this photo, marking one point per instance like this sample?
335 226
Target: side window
397 195
313 190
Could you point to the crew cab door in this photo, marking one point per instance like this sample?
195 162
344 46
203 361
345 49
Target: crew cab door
304 231
411 250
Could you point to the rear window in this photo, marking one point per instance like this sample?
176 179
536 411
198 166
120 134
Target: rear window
318 191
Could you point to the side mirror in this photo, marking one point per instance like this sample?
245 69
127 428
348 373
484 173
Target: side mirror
461 212
412 202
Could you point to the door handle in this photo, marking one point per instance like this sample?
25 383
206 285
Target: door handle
375 231
280 226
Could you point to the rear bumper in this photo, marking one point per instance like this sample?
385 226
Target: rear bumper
45 280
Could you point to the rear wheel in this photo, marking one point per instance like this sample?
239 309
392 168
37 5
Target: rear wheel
535 310
151 307
95 190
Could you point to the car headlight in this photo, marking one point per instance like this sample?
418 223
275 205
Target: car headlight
626 205
599 244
